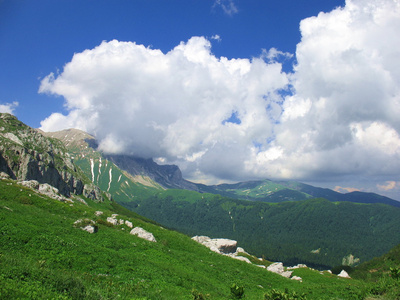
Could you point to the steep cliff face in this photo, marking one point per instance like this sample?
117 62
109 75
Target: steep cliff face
169 176
25 154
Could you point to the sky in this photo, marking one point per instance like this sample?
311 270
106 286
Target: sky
229 90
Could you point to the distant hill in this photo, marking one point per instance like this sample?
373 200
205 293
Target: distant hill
357 197
280 191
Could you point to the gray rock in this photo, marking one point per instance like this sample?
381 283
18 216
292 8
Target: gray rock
32 184
112 220
25 154
276 268
90 228
242 258
222 246
93 192
297 278
279 269
140 232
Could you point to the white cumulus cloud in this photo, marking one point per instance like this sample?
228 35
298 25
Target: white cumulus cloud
342 117
8 107
171 105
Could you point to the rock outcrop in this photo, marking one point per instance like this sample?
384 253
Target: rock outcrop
279 269
222 246
26 154
168 176
140 232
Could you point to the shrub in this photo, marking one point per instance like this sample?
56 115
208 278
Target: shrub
286 295
197 295
237 292
395 273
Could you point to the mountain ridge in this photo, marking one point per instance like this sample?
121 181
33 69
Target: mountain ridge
170 176
44 251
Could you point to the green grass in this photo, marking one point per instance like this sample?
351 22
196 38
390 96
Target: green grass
44 256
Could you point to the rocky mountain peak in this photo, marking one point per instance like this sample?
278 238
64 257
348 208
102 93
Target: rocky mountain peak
26 154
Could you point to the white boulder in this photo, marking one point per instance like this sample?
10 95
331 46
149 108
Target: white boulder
344 274
279 269
242 258
140 232
112 220
222 246
90 228
129 224
276 268
297 278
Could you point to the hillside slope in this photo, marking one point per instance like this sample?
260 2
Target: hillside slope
44 253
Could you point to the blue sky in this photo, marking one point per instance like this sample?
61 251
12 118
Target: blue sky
39 37
227 89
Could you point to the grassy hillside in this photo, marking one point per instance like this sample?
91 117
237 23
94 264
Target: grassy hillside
44 256
382 274
317 232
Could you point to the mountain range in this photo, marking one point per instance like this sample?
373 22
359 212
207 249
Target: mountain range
42 253
272 219
170 177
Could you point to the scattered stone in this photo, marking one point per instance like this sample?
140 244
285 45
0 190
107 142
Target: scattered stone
222 246
286 274
297 278
344 274
98 213
242 258
90 228
279 269
261 266
276 268
112 221
297 267
88 225
140 232
129 224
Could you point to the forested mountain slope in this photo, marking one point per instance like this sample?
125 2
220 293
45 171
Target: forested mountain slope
317 232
